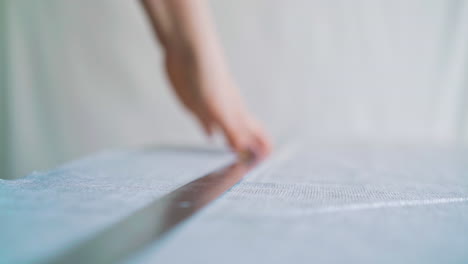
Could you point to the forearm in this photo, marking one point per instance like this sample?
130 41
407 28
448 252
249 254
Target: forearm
184 27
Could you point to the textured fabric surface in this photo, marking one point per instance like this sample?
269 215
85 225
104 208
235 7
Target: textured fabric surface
334 205
306 204
46 213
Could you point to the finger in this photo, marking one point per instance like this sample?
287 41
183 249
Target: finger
262 145
208 127
206 123
260 138
236 135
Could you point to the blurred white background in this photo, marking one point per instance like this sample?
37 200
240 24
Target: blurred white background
84 76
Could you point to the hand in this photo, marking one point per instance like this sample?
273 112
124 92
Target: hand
198 74
208 92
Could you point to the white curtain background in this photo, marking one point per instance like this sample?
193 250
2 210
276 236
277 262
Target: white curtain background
84 76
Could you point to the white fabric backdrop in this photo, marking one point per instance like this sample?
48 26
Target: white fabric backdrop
85 75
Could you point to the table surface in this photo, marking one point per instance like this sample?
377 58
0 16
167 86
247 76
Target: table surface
304 204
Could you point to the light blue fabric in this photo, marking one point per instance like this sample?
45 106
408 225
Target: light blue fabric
45 213
305 204
334 205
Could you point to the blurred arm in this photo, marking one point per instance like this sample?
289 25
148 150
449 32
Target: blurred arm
198 73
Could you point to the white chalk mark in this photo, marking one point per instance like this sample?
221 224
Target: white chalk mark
378 205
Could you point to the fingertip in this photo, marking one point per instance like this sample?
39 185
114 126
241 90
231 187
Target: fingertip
267 146
234 137
206 124
246 155
262 141
248 141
